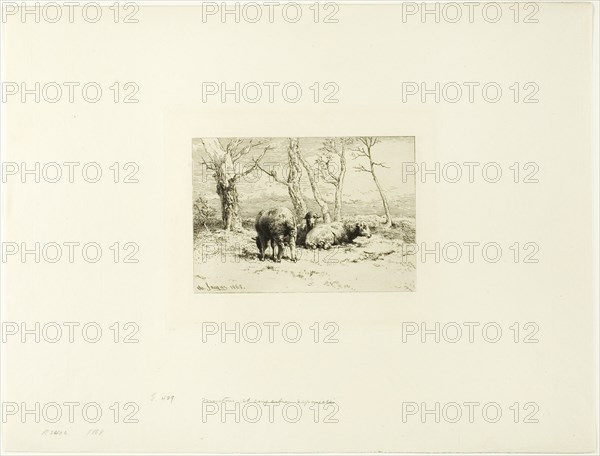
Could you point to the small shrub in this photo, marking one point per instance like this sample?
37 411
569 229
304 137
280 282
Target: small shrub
408 232
202 214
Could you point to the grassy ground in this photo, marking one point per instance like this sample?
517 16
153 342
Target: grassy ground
228 262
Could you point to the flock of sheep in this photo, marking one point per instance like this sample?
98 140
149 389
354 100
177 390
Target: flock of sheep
278 228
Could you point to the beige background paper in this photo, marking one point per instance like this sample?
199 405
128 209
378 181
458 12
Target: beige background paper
370 372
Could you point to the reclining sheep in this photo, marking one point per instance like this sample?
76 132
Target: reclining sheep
327 234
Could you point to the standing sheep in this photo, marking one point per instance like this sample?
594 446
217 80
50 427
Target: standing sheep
277 227
328 234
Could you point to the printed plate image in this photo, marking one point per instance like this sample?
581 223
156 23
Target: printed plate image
331 214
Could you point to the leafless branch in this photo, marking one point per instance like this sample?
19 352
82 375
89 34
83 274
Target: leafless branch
272 173
235 152
256 161
361 168
209 165
368 141
324 167
232 146
360 152
383 165
330 147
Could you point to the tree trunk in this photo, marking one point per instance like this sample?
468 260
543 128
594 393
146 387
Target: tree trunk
225 178
230 208
337 208
298 202
294 189
315 188
386 208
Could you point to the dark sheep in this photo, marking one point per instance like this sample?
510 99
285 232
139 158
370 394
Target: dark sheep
327 234
309 222
276 227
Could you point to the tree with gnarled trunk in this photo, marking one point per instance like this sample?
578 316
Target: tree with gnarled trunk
326 164
292 180
222 161
365 150
313 178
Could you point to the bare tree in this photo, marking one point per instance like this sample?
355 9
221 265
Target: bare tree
331 173
313 178
222 161
365 150
291 180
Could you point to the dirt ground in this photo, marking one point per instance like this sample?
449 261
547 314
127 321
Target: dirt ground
228 262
